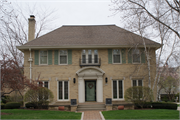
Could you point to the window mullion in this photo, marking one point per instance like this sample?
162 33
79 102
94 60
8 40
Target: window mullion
63 90
117 89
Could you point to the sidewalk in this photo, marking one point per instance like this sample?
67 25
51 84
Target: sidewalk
92 115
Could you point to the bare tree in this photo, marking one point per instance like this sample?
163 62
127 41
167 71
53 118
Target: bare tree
157 19
14 28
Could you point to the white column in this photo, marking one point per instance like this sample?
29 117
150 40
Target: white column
81 88
99 88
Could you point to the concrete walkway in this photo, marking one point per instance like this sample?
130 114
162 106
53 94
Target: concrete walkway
91 115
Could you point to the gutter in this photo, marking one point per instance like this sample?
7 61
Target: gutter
30 66
86 46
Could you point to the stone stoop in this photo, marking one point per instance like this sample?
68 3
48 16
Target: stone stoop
91 107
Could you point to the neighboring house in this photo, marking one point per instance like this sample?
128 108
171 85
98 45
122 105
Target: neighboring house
88 63
170 90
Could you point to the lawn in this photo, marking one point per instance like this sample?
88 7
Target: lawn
141 114
38 114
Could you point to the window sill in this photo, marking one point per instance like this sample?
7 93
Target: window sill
116 63
63 64
117 99
63 100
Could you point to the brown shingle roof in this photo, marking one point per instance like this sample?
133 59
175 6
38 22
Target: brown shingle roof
89 35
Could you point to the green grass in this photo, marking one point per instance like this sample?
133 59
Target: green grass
141 114
39 114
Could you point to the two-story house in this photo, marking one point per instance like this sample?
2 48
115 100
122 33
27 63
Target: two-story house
88 63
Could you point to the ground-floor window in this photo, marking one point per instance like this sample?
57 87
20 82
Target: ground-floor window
137 83
118 89
44 84
63 90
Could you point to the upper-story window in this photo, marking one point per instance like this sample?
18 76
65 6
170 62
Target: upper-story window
43 57
95 56
90 56
136 56
63 57
137 83
116 56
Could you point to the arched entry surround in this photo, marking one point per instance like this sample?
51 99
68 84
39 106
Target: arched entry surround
90 73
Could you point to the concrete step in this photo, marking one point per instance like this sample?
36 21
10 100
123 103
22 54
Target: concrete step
90 109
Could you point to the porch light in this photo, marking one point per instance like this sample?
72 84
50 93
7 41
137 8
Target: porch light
106 79
74 80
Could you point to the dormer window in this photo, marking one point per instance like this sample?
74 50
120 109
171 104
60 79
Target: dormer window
43 57
136 56
63 57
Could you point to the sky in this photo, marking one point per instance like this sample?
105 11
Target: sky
76 12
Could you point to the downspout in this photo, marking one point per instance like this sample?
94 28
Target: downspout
30 66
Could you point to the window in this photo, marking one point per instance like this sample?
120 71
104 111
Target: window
118 89
83 56
90 56
136 56
63 57
137 83
63 93
116 56
43 84
43 57
95 56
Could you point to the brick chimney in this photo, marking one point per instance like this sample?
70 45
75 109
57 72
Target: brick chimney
31 30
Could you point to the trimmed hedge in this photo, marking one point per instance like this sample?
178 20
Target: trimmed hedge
12 105
162 105
146 105
2 105
40 105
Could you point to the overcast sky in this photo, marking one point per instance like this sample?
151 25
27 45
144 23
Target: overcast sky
77 12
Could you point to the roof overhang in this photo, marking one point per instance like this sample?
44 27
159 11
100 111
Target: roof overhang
86 46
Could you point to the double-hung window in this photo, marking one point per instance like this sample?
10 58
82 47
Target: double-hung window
89 56
136 56
63 57
83 56
43 57
138 93
116 56
63 90
118 89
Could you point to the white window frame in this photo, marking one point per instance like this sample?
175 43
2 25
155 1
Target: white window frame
43 83
120 56
92 53
136 82
40 57
63 90
139 56
59 57
117 82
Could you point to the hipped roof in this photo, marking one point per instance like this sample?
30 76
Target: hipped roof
92 36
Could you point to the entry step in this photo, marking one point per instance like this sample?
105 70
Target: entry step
91 107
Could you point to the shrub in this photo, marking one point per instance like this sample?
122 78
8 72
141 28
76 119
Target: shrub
146 105
164 105
139 95
43 105
29 105
12 105
39 97
5 99
2 105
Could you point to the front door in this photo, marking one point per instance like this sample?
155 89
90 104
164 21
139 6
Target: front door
90 90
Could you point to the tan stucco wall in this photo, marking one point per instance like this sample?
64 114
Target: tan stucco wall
112 71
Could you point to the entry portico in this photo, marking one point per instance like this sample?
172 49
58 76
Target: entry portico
89 74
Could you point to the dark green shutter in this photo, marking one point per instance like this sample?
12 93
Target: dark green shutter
69 56
143 57
56 57
49 57
36 57
110 56
123 51
130 56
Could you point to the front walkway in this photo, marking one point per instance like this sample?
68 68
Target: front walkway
92 115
